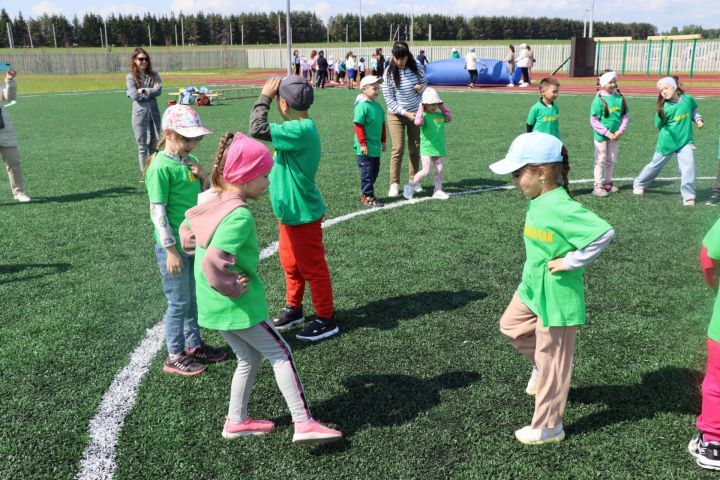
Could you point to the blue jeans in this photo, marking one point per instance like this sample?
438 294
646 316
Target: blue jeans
686 162
369 169
181 325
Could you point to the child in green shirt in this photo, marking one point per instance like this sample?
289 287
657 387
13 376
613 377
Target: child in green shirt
561 239
230 294
676 110
609 119
297 203
544 116
369 124
431 117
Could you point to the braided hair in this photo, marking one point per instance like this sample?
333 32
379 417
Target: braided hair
216 175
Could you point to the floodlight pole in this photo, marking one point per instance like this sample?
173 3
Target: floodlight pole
54 37
242 34
592 19
149 36
29 34
9 32
176 37
106 37
231 34
287 35
182 30
101 38
360 28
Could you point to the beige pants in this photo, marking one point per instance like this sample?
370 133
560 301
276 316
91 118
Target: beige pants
11 158
605 158
550 349
397 126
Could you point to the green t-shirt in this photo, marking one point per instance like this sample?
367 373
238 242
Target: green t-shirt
611 121
432 135
676 130
294 196
172 183
545 119
371 116
712 243
554 226
236 235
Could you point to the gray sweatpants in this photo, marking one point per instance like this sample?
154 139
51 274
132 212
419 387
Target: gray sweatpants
686 162
11 158
147 139
251 345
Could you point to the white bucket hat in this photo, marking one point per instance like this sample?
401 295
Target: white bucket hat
430 96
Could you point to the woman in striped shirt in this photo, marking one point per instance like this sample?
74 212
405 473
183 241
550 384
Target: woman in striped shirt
404 82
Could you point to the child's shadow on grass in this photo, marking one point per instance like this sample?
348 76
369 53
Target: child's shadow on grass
43 269
388 400
669 389
79 197
653 189
473 183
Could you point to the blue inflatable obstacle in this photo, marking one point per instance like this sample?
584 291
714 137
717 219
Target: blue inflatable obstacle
451 72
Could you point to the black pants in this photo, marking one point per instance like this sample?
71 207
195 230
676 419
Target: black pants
297 69
473 76
369 169
525 74
322 74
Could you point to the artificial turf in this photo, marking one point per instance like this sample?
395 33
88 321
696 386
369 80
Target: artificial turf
420 380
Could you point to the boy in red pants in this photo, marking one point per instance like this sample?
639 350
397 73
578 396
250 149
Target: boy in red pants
705 447
297 203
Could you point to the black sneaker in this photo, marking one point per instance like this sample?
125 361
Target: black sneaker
374 202
288 317
713 201
207 354
707 454
183 364
319 328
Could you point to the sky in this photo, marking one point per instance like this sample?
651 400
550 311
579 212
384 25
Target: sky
662 13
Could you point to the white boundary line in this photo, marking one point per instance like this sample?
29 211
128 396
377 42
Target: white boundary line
104 428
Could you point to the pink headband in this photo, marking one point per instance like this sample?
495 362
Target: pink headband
247 159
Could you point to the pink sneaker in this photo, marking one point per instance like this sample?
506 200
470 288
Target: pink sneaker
312 432
246 427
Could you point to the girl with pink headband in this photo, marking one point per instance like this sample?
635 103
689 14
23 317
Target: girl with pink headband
221 232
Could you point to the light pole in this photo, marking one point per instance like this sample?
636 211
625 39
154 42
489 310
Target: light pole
287 35
360 53
592 19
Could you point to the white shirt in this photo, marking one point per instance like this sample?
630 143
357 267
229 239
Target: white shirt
470 60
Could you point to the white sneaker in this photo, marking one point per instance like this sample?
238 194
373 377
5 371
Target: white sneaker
539 436
639 191
440 195
524 85
531 388
394 190
511 85
408 191
22 198
418 188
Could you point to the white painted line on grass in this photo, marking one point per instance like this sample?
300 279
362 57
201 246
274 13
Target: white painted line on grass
98 460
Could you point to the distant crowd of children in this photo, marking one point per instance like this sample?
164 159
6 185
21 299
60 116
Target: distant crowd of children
207 250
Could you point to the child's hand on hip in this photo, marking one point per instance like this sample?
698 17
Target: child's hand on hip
363 149
271 87
556 265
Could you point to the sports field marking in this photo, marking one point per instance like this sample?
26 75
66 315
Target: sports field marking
98 461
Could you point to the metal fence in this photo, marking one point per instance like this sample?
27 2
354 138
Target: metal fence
652 58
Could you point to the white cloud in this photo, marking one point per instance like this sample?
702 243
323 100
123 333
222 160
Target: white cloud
107 9
207 6
46 7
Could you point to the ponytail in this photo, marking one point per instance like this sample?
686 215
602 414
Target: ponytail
160 147
216 175
565 170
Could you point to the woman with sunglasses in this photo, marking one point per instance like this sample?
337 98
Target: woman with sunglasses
143 87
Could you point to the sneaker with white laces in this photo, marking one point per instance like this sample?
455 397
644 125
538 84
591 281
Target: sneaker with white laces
531 388
440 195
600 192
183 364
247 427
417 188
690 202
318 329
638 191
394 190
313 432
288 317
21 197
539 436
207 354
707 454
408 191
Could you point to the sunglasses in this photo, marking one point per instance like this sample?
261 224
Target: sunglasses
142 59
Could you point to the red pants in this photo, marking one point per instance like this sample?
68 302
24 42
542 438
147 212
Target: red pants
302 257
709 419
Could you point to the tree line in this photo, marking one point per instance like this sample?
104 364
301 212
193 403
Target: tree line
306 27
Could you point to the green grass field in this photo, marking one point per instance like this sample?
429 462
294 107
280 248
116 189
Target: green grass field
420 380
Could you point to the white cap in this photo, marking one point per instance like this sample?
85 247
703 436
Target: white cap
535 148
606 78
185 121
369 80
523 45
430 96
454 49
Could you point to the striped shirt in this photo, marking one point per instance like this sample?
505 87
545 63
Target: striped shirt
402 99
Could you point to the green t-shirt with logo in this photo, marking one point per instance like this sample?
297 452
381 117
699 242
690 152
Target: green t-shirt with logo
294 195
613 119
172 183
712 243
554 226
676 131
371 116
432 135
236 234
545 118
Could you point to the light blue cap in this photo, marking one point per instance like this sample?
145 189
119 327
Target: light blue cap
535 148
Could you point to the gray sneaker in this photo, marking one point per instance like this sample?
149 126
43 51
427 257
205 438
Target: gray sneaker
713 201
288 317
